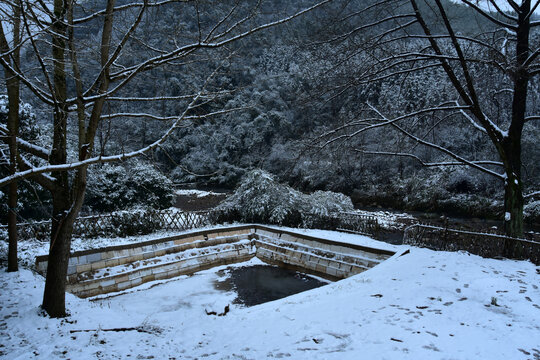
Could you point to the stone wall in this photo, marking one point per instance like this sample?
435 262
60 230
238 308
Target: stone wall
116 268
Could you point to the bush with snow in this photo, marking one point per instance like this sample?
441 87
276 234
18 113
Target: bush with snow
531 212
118 187
33 202
262 199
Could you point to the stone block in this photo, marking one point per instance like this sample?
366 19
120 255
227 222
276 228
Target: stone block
323 262
111 262
173 273
160 275
137 257
72 269
120 279
84 267
124 285
148 255
98 265
93 257
145 272
331 271
267 234
107 255
160 252
107 283
90 285
148 278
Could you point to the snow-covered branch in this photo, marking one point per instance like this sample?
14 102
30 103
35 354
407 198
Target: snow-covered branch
425 163
531 195
441 148
32 171
384 122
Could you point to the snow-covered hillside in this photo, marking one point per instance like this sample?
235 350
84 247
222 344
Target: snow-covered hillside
423 305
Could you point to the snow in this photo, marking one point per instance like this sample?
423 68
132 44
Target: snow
507 216
426 304
196 193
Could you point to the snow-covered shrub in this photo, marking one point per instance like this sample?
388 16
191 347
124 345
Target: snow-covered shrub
262 199
117 187
325 203
33 202
531 212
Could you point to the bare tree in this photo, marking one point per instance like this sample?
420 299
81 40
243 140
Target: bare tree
404 38
11 55
75 94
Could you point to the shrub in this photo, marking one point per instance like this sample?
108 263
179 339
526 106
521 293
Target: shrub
117 187
531 212
260 198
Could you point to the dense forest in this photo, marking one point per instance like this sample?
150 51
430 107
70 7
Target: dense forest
282 101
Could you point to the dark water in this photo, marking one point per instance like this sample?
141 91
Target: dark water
258 284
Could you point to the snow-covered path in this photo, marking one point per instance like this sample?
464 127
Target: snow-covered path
423 305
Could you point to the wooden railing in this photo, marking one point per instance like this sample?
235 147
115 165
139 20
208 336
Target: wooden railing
121 223
483 244
142 222
360 223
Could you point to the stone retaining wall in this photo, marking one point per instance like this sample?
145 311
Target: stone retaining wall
115 268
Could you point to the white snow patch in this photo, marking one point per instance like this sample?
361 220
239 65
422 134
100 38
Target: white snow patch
196 193
507 216
422 305
425 304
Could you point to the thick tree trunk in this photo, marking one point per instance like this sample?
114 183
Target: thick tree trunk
513 207
66 207
511 156
13 91
61 231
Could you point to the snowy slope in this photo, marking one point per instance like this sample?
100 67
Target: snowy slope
423 305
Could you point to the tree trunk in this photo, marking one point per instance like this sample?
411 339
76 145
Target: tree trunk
13 128
54 299
13 262
513 207
13 91
513 189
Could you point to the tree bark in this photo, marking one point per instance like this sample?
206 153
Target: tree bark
13 129
54 299
13 122
513 207
513 189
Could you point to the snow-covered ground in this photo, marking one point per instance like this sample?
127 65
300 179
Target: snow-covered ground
423 305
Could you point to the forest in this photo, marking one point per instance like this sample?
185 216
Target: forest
287 92
406 105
